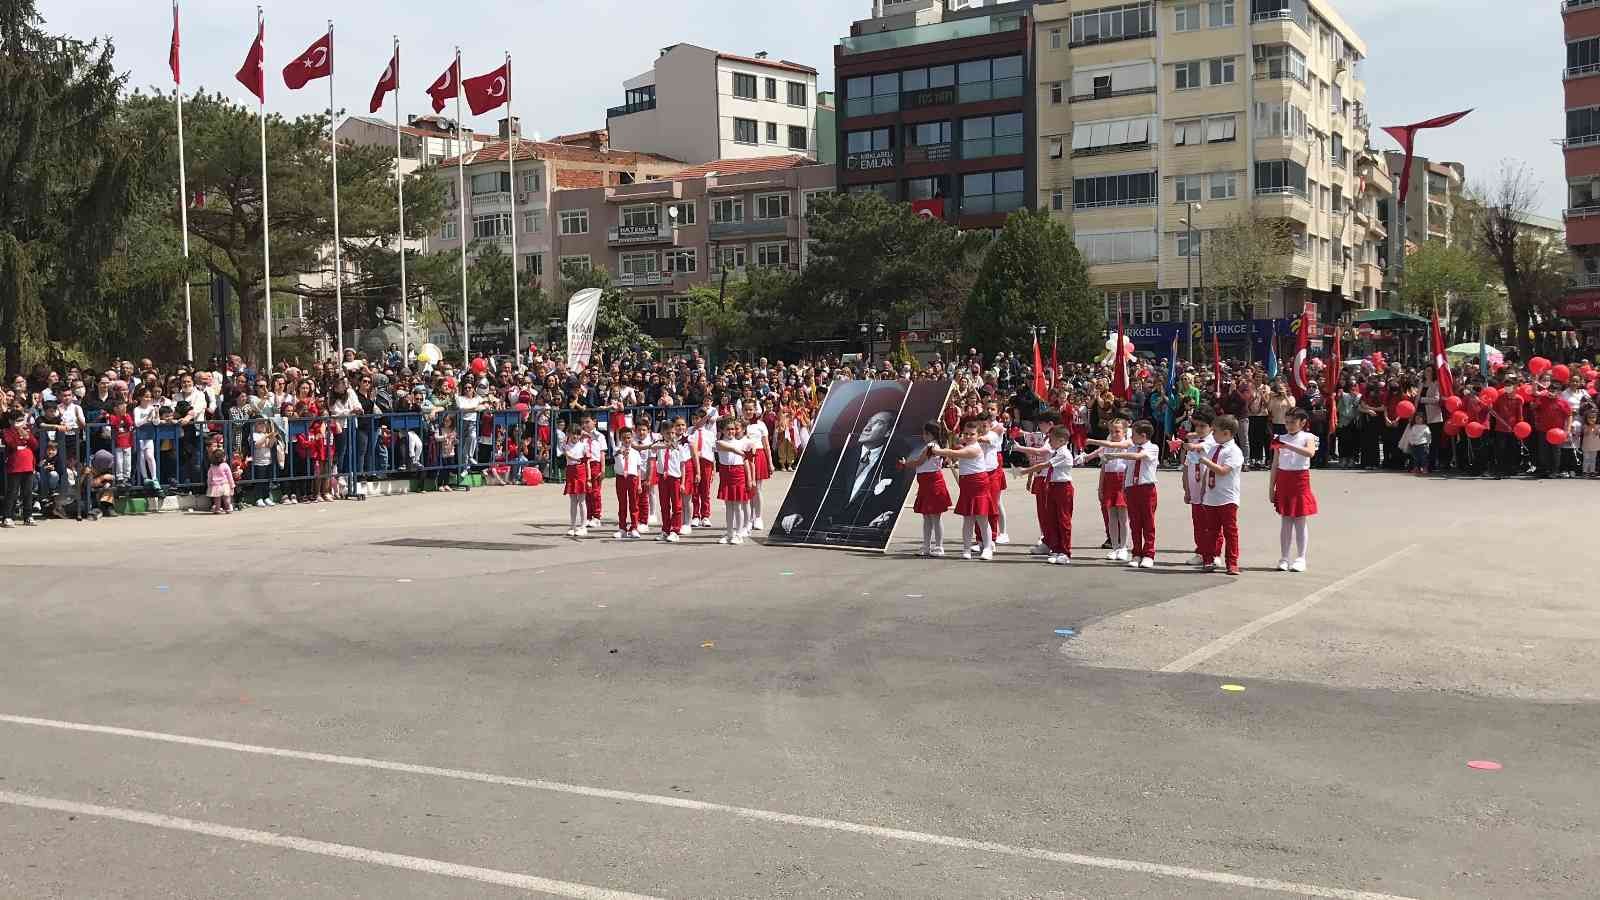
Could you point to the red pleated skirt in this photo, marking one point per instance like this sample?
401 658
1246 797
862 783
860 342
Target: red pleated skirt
577 479
732 484
1292 494
1111 491
977 495
763 464
999 476
933 494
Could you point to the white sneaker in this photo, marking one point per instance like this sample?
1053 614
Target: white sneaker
642 529
1283 565
1114 555
686 531
662 538
1148 562
1133 564
965 554
1040 549
672 538
975 548
1298 565
594 523
618 536
1196 560
270 503
987 554
572 532
937 553
260 504
738 539
924 552
1002 538
758 525
724 540
634 535
582 533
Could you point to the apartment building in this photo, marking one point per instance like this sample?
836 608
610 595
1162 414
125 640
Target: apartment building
935 107
699 105
1580 21
543 170
1158 122
659 238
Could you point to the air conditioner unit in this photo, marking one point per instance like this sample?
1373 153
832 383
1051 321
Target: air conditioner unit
1160 315
1158 300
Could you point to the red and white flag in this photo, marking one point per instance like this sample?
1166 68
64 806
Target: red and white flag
389 82
316 62
1299 374
445 86
250 74
1119 368
1039 389
172 53
1441 365
1406 136
489 91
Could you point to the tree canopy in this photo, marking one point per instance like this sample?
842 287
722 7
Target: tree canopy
1034 274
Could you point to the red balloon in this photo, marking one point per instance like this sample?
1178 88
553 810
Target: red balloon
1405 409
1451 404
1451 429
1522 430
1561 374
1587 371
1538 366
480 365
1475 430
1458 419
1525 391
1489 395
1556 436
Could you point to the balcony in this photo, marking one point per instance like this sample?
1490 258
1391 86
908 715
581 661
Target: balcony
622 235
1338 273
1300 265
1578 4
1581 280
1583 225
646 279
929 34
786 227
630 108
1109 94
1284 203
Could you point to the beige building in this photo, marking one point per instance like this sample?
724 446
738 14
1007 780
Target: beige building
700 105
1147 111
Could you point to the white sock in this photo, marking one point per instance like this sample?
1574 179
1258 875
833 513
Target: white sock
1001 503
755 505
928 524
938 531
1285 537
985 539
966 531
1302 535
730 510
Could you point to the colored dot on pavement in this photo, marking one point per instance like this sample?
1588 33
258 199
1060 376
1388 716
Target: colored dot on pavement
1065 632
1484 765
786 574
707 645
1233 688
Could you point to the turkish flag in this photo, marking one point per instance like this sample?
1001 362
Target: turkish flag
250 74
488 91
1407 136
1039 389
1330 394
929 209
316 62
1299 378
1216 361
1119 369
1447 385
389 82
444 87
172 53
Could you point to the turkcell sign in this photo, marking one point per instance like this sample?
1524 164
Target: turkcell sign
939 96
870 160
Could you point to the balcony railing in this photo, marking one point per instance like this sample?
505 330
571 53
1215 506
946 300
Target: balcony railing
1106 95
630 108
1109 204
1284 191
1282 75
750 227
1580 212
1585 140
645 279
1578 4
1580 71
929 34
1112 39
1584 279
639 234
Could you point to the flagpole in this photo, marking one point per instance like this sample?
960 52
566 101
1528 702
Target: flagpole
266 226
183 208
338 258
513 136
400 199
461 194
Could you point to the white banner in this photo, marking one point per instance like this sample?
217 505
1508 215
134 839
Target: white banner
581 312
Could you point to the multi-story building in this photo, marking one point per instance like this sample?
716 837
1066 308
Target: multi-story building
1580 21
543 169
1371 283
1430 205
935 106
659 238
1158 123
700 105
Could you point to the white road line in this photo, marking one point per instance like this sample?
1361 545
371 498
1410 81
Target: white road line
323 848
1232 638
760 815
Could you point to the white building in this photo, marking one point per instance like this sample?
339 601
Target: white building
760 107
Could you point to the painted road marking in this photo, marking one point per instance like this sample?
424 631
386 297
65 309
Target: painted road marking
323 848
1238 635
760 815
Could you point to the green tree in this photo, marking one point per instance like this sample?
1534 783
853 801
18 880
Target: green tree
1456 282
1034 274
1493 223
66 187
616 331
1249 257
489 303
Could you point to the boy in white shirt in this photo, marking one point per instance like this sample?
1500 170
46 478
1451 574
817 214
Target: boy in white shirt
1199 445
1055 520
1139 484
629 467
1220 500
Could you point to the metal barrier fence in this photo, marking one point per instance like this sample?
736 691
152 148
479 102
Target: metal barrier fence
305 457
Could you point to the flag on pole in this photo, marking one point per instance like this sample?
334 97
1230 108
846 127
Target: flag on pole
388 83
316 62
489 91
1172 382
1216 362
443 88
1406 135
1055 362
250 74
1119 371
1483 353
1330 394
1441 365
1299 370
1272 353
172 53
1039 388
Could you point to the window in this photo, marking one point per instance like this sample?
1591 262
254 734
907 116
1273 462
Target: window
675 306
1220 13
809 198
1090 138
1222 70
1055 39
772 254
799 93
575 221
1058 200
490 183
991 136
798 138
1280 176
1280 61
867 141
744 131
992 192
1189 133
1323 199
1338 200
989 79
1189 243
639 216
1056 92
533 264
1116 247
727 210
1186 76
533 183
927 188
772 206
730 258
491 226
1131 189
1186 189
744 86
1281 119
1220 129
1215 130
1583 56
685 212
578 263
925 134
639 264
449 230
923 79
772 88
1055 148
772 132
682 260
1224 185
1186 17
1115 23
533 221
871 94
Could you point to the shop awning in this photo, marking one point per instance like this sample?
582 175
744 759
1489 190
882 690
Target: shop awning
1388 318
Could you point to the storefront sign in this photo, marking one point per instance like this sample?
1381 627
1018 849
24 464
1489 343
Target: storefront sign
870 160
929 153
939 96
1585 307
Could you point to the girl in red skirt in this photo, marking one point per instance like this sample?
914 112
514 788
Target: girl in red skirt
760 439
976 482
576 449
1113 500
733 484
933 495
1289 488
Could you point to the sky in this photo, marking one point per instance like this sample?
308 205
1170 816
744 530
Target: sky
1502 58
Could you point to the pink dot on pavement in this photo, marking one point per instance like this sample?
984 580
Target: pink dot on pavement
1484 765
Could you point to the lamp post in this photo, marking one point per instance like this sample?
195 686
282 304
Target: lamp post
1188 291
870 332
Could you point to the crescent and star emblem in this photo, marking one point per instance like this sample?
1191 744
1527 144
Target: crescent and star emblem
500 87
319 58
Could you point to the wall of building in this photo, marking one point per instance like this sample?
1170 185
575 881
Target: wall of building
763 111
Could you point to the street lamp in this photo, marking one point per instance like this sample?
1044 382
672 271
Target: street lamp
870 332
1188 291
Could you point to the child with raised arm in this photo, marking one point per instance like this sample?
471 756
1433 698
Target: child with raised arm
1220 497
733 479
1198 445
1139 485
933 495
1113 499
1055 518
975 502
1289 487
575 449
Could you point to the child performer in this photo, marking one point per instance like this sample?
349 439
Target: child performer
933 495
674 460
1113 499
576 447
756 432
644 437
1196 476
704 439
1220 497
629 465
995 438
733 485
1290 489
1055 518
219 483
597 469
976 481
1139 485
